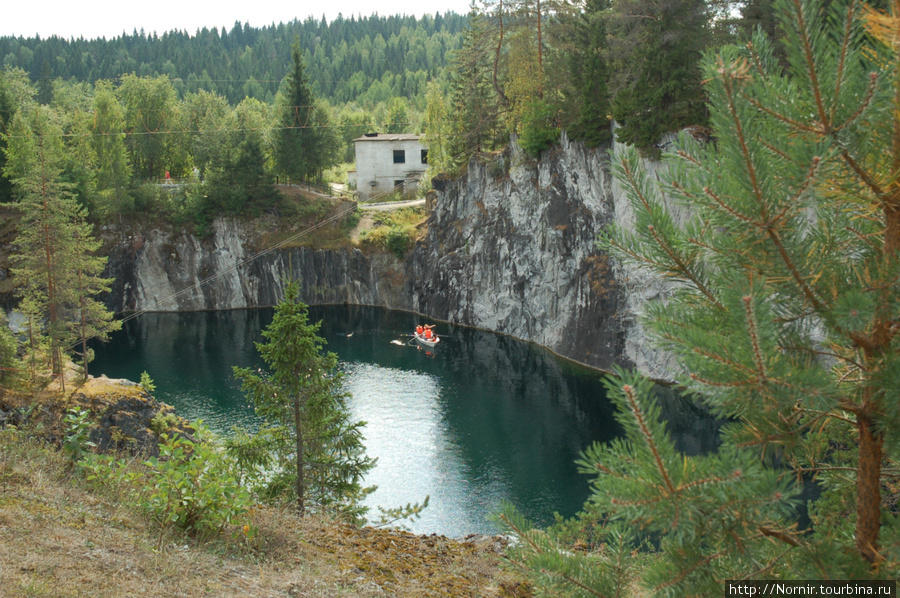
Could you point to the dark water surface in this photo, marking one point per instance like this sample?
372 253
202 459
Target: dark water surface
480 419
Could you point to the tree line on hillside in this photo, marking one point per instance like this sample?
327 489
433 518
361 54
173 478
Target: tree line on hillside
367 60
121 140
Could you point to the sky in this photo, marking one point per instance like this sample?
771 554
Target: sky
110 18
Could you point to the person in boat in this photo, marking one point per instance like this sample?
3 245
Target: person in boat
420 329
429 335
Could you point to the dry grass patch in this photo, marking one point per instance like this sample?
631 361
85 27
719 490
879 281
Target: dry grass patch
59 539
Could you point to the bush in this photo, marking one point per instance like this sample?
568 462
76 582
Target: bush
192 486
397 241
539 128
78 432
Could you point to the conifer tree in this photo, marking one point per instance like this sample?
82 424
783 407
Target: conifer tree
318 449
59 277
90 319
301 150
9 349
473 101
656 54
783 239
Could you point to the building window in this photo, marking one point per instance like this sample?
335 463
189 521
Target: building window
425 156
398 184
399 157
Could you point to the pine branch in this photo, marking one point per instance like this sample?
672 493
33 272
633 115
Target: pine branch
759 572
648 437
845 45
704 561
780 535
826 414
574 581
708 382
728 209
803 30
682 267
754 339
747 155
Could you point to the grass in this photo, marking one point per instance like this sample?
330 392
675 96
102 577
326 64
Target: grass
394 230
58 537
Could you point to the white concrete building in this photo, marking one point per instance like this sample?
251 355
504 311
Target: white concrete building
386 161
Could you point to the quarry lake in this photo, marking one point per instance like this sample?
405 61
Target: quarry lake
481 419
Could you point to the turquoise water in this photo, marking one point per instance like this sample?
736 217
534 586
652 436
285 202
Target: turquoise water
480 419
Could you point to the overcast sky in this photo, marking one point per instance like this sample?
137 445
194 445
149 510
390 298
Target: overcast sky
110 18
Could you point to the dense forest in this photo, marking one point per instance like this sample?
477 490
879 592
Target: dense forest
525 68
365 59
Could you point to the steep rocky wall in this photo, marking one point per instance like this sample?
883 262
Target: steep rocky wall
510 247
160 270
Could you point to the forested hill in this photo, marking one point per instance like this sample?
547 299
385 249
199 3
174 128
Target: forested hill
362 59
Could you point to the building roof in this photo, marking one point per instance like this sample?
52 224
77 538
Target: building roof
388 137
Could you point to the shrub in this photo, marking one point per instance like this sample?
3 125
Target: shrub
397 241
77 433
538 129
192 486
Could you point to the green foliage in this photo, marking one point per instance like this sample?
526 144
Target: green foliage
538 129
78 432
473 103
554 569
782 245
394 231
147 382
164 423
657 69
350 59
397 241
390 516
55 262
149 105
191 486
316 448
305 144
8 351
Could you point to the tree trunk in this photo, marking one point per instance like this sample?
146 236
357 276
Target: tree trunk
300 485
868 488
540 49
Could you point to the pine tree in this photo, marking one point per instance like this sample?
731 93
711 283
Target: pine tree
299 140
91 320
589 71
473 101
657 49
59 277
318 448
9 349
783 239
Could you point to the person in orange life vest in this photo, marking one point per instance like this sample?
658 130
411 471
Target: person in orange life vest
420 329
428 333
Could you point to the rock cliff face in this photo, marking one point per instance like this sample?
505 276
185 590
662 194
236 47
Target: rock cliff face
510 247
165 271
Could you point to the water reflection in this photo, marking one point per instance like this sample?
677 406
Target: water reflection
481 419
